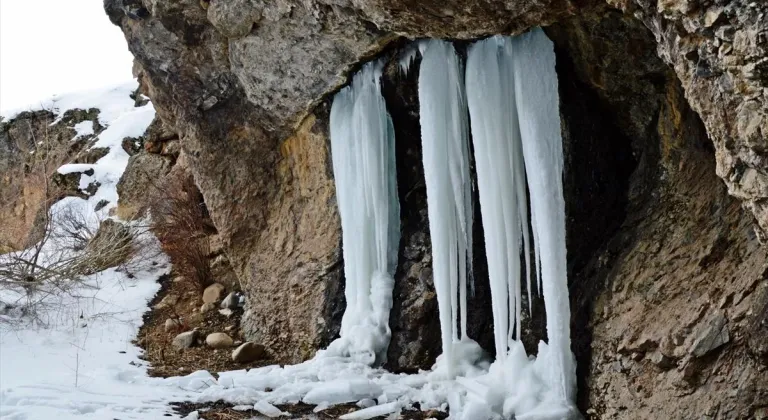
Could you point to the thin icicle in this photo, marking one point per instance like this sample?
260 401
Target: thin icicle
362 143
407 58
444 135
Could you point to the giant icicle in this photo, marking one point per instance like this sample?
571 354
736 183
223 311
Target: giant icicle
444 135
363 151
513 103
538 111
501 181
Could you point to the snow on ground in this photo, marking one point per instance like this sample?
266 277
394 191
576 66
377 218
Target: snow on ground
82 363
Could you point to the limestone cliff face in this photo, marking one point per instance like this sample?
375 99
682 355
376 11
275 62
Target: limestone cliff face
662 103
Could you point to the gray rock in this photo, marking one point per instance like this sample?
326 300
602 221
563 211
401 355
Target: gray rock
233 18
185 340
226 312
143 169
172 324
219 340
249 352
711 337
213 293
232 301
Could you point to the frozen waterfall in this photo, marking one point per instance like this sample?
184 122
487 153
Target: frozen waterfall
514 111
508 95
511 93
363 151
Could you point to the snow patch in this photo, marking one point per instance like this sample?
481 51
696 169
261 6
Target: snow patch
83 129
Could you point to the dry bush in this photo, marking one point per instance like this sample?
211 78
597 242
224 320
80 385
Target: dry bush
73 245
180 221
70 247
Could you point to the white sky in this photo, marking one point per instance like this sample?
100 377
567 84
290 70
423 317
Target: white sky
52 47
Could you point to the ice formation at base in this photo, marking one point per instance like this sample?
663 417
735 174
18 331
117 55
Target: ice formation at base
363 151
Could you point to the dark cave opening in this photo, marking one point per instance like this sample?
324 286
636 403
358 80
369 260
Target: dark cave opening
609 114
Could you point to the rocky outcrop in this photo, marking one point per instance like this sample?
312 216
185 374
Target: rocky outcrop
658 99
33 145
719 52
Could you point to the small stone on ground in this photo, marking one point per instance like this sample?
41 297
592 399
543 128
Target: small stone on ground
185 340
249 352
219 341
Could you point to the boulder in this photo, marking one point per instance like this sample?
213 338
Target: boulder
219 340
249 352
213 293
185 340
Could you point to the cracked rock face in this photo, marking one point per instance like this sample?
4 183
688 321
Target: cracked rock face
666 100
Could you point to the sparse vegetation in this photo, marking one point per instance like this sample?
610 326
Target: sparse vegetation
180 221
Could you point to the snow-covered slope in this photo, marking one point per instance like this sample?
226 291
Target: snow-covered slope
75 359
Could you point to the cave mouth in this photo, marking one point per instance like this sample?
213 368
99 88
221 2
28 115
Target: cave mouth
612 86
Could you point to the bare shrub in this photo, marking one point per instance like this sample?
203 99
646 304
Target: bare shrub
74 243
179 219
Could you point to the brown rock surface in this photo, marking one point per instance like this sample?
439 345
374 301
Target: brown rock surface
142 176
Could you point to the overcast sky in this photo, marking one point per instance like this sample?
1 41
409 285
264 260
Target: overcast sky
51 47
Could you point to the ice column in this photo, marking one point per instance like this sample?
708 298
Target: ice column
501 181
538 111
363 151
